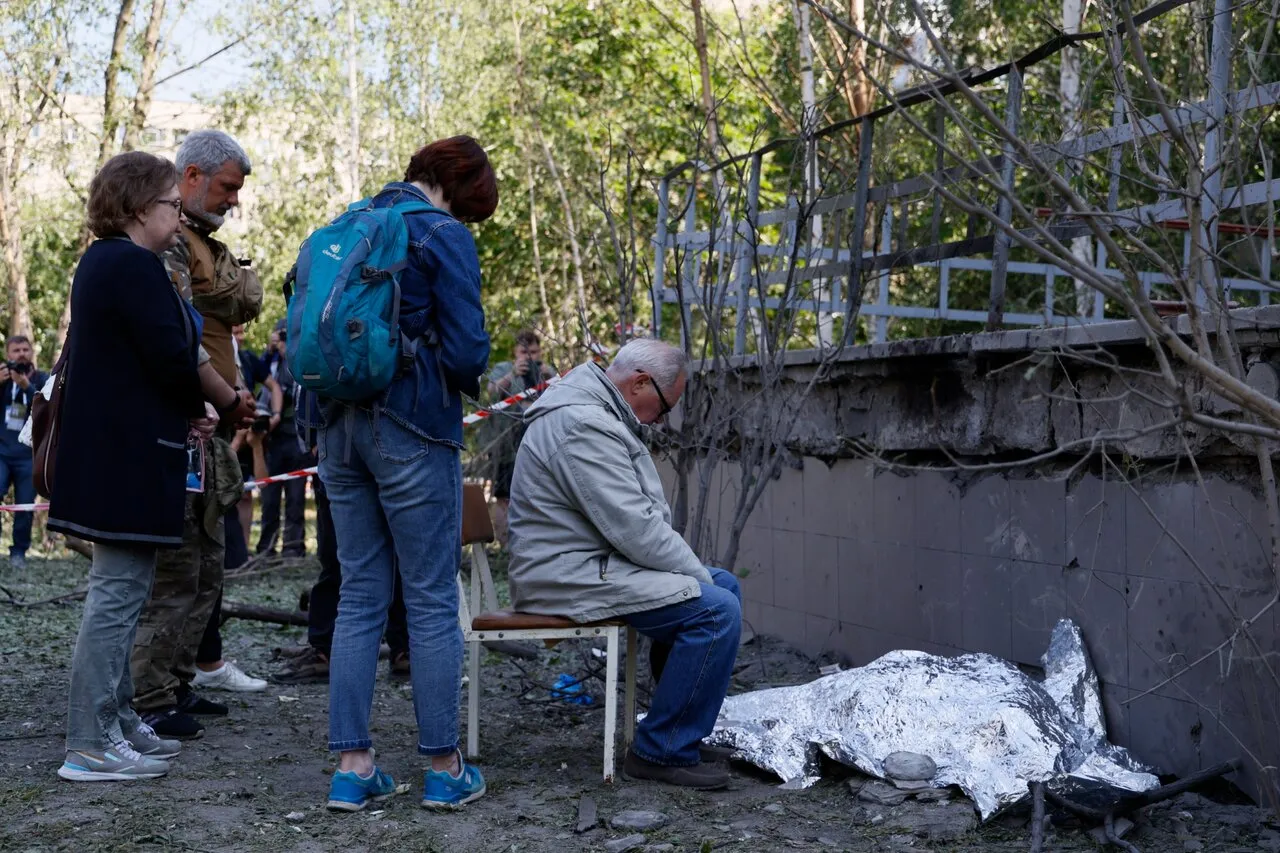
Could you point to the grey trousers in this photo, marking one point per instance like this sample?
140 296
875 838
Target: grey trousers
99 713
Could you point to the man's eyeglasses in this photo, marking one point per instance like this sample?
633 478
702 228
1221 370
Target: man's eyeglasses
175 203
662 399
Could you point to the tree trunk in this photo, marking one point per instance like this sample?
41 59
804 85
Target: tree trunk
533 205
533 198
146 77
861 87
353 101
11 171
15 264
537 252
106 143
813 184
1072 113
111 82
704 71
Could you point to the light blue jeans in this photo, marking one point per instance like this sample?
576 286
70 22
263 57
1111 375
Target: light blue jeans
98 712
396 494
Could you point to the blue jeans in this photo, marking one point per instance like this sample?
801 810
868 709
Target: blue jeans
19 471
398 494
703 634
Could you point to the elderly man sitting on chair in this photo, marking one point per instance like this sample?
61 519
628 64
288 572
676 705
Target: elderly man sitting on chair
591 539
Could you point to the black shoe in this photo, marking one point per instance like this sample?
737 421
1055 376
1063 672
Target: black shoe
171 723
714 754
191 702
310 667
400 665
701 777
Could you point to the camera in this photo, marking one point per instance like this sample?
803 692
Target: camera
22 368
261 419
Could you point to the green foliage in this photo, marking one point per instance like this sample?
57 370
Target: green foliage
595 100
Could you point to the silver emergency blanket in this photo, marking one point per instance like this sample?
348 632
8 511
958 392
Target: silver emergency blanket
990 728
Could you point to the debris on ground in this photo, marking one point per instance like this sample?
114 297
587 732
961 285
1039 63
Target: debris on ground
220 796
587 818
639 820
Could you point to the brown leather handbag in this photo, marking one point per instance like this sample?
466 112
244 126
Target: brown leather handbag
46 417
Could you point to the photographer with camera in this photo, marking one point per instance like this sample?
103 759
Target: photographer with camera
284 453
19 383
511 377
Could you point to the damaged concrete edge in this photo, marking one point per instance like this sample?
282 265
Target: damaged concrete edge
1254 326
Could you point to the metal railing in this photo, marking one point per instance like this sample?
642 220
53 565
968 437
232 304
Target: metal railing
729 272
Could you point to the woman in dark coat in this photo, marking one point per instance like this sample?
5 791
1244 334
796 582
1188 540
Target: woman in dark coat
132 395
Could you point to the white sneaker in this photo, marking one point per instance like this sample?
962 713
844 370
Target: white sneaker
151 745
228 677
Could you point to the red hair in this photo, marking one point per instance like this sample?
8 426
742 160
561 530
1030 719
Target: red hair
460 168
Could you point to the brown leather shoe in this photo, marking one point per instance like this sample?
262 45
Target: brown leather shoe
700 777
311 667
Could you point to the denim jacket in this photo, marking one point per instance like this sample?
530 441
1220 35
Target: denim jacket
440 309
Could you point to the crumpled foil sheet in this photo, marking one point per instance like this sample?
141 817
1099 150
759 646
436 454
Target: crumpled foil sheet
989 728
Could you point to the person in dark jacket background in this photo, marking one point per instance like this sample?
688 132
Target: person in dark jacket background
393 473
19 383
122 459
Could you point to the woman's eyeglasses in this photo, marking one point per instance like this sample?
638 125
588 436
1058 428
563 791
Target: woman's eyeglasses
175 203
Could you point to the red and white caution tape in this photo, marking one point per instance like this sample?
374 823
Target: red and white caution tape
250 485
476 417
279 478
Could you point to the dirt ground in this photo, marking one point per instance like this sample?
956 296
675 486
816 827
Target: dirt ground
257 780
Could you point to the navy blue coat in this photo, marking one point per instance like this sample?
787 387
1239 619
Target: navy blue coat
132 387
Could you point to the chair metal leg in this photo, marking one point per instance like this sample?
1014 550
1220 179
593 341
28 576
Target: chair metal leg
629 691
473 702
610 702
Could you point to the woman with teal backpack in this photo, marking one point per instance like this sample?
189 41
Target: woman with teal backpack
392 468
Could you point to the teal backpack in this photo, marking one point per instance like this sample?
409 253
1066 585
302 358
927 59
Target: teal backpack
343 297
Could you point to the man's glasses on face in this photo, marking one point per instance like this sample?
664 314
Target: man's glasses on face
662 399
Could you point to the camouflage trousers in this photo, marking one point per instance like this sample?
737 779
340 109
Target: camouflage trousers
183 596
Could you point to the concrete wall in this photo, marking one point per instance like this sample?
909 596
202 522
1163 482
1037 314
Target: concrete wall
848 556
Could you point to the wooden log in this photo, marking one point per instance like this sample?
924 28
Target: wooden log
258 613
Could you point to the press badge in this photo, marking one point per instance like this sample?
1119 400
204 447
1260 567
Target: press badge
15 416
195 466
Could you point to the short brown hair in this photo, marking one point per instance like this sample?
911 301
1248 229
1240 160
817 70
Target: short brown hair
460 168
528 338
128 184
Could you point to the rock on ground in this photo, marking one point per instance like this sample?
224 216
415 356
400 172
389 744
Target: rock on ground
936 822
620 845
639 820
881 794
909 767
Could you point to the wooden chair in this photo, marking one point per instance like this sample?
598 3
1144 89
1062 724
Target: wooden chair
492 623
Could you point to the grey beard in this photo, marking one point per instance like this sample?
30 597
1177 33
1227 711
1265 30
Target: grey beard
197 211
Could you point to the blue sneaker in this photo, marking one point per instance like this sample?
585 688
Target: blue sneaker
349 792
440 790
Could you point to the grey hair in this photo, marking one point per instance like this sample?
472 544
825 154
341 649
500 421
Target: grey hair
207 150
662 361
